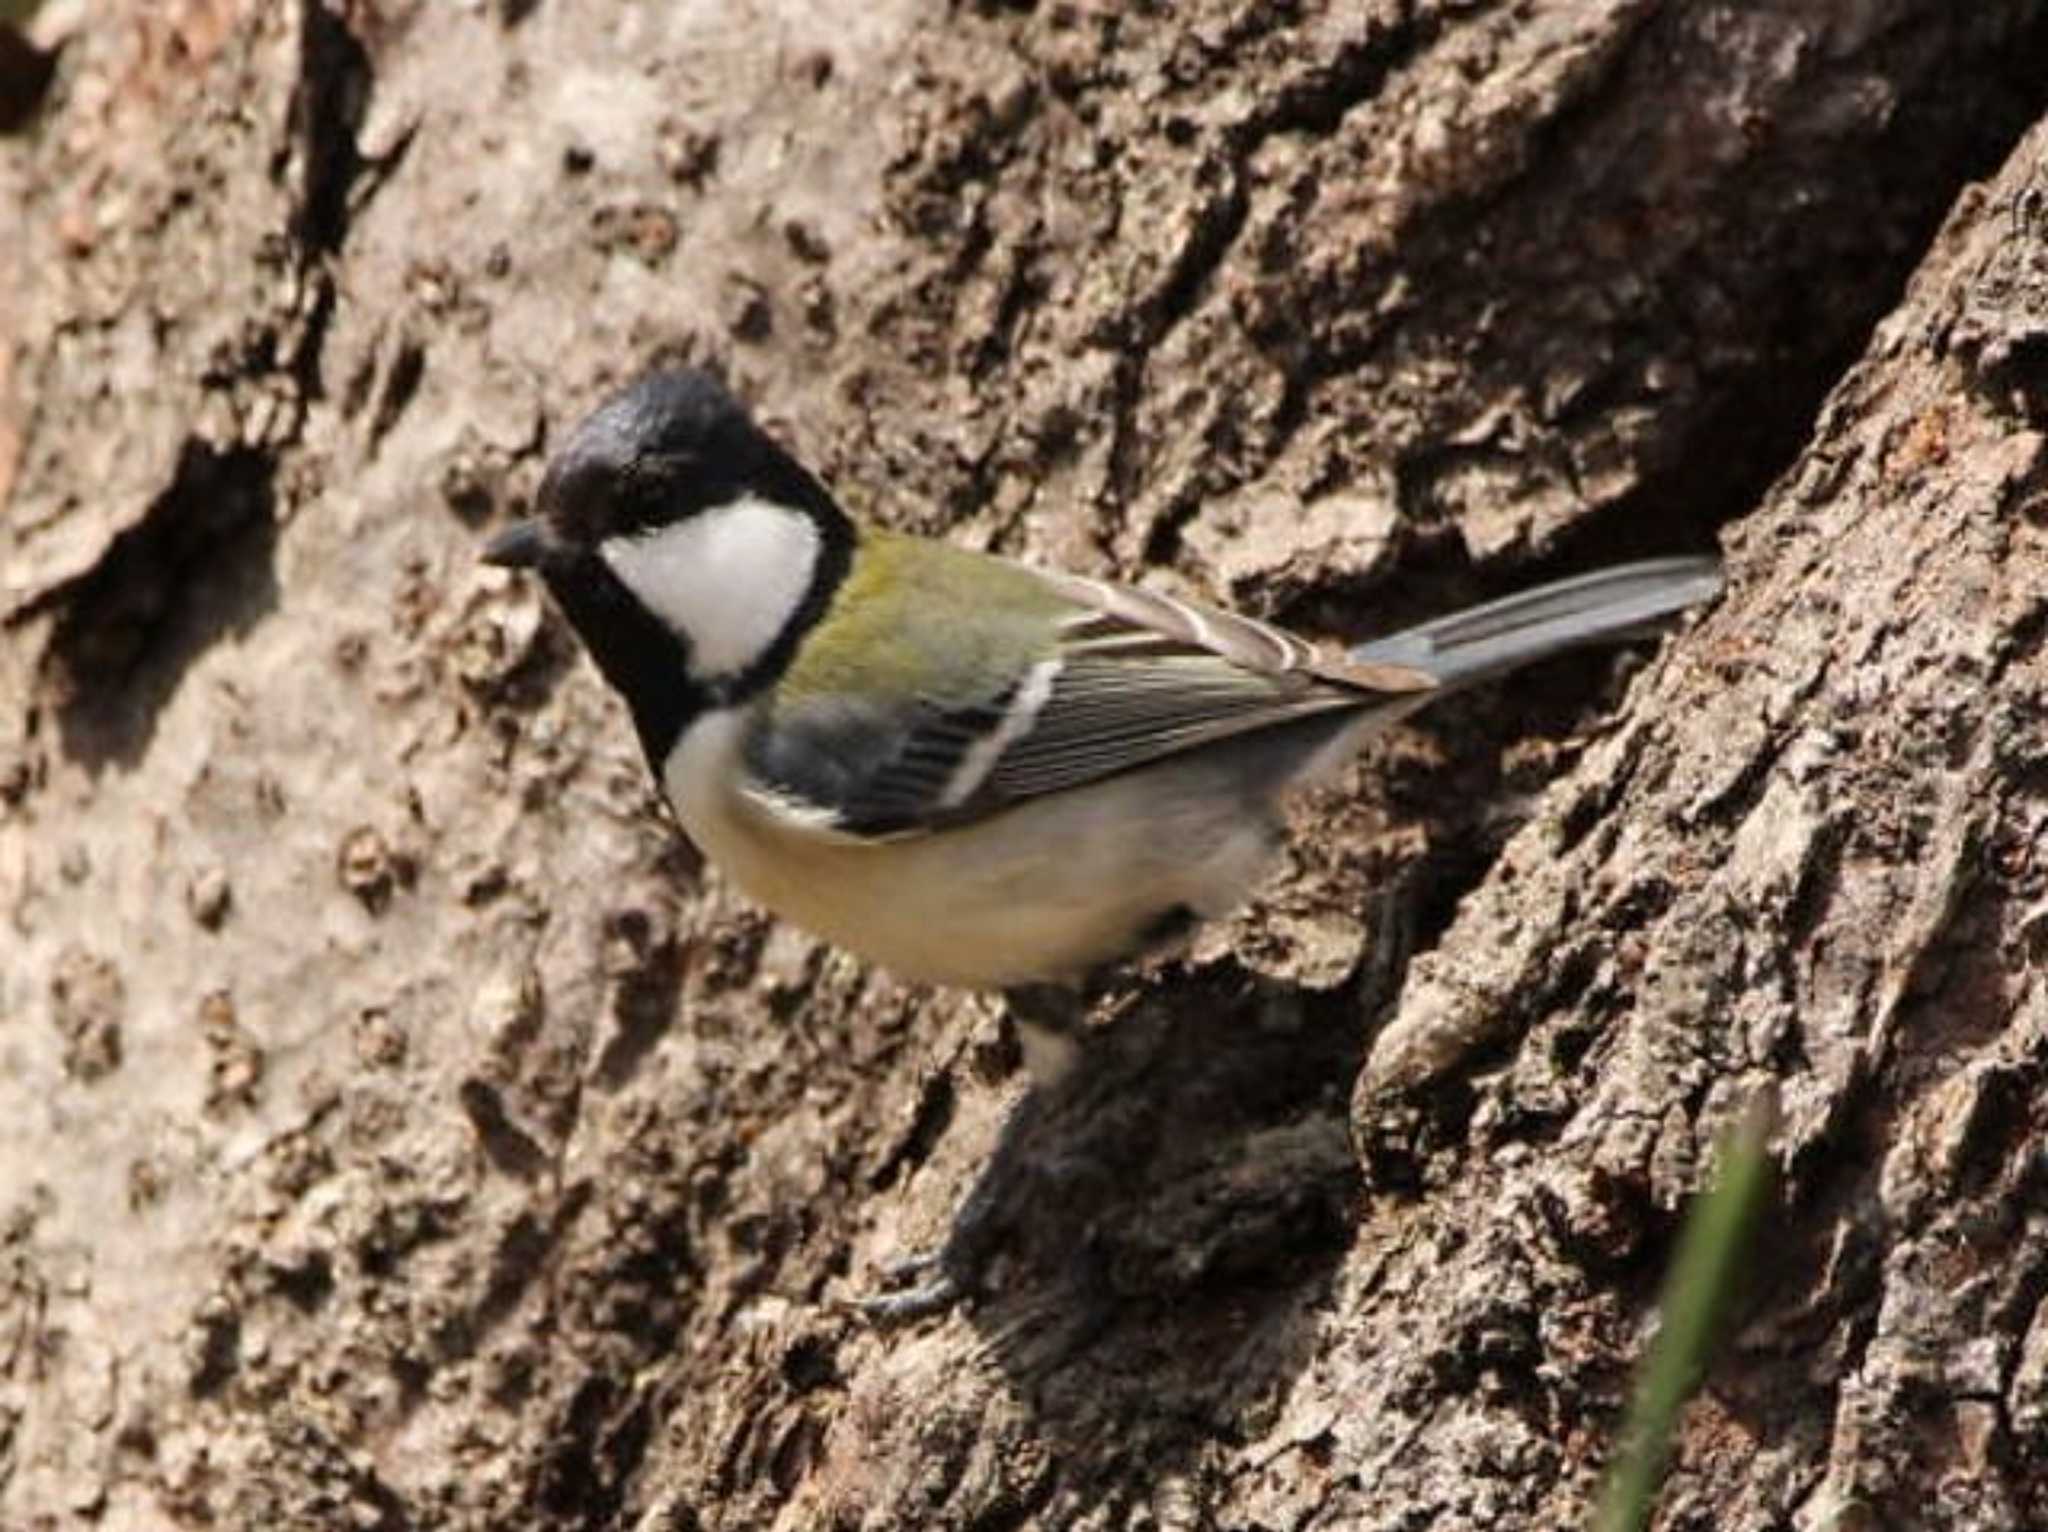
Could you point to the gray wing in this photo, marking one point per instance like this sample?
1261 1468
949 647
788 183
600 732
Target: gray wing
1128 678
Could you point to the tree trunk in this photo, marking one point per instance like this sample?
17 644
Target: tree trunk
400 1127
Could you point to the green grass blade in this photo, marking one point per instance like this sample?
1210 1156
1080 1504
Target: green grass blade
1698 1294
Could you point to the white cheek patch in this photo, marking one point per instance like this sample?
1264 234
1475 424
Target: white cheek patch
728 579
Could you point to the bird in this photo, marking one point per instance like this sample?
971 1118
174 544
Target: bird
971 771
968 770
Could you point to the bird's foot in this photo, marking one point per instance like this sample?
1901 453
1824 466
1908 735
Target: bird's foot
919 1287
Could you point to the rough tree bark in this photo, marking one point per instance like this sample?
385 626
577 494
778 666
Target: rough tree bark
398 1126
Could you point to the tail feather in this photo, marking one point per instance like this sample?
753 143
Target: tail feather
1603 607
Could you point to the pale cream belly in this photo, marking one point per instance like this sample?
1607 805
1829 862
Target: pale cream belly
1042 892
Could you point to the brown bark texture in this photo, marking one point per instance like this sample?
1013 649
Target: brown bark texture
400 1127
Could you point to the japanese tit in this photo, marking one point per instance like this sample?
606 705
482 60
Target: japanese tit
970 771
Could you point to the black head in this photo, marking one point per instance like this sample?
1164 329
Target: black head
618 538
669 446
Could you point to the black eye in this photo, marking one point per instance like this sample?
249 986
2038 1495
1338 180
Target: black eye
653 490
673 464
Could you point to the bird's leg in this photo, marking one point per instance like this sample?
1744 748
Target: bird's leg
954 1270
1050 1021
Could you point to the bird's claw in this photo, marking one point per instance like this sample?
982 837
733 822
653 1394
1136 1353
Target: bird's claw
938 1291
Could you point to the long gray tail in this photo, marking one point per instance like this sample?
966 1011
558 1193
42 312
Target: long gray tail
1603 607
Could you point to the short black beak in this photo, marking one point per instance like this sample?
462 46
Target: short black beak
519 546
